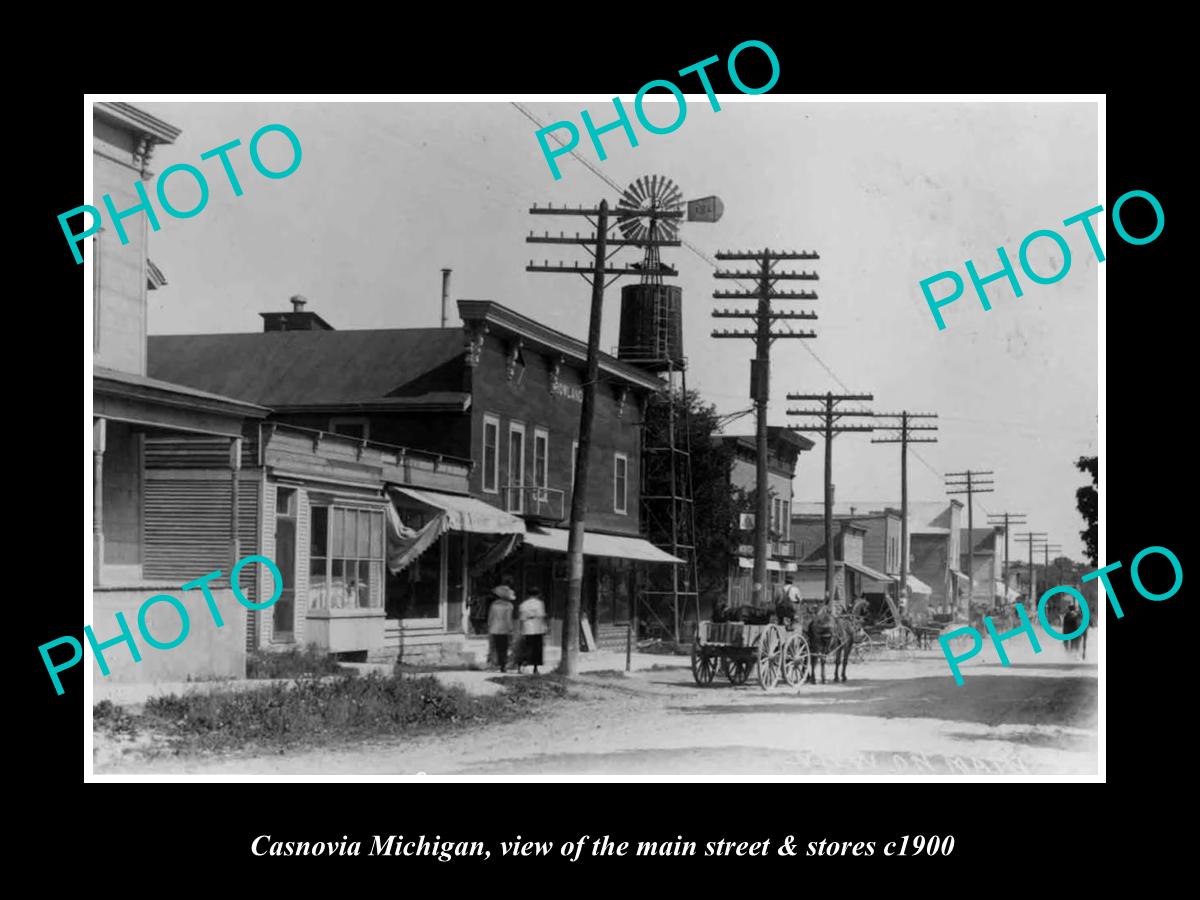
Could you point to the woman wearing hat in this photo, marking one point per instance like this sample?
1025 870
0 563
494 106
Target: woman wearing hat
500 621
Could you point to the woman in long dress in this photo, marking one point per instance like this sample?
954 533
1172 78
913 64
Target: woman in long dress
532 616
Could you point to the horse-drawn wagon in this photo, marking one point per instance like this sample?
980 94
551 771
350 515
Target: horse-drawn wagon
772 651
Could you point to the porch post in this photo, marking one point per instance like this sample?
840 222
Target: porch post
235 467
99 433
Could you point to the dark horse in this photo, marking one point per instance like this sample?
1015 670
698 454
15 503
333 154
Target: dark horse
826 632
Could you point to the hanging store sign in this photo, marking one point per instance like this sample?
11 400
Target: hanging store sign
706 209
569 391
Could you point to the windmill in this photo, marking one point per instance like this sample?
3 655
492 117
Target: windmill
651 337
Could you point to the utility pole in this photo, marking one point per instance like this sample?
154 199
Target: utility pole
595 275
1006 519
1031 538
760 367
828 429
903 438
970 483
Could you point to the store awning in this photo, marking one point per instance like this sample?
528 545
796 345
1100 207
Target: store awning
963 580
467 513
917 586
871 573
557 539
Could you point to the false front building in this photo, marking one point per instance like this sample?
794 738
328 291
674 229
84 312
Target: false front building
784 447
502 392
134 558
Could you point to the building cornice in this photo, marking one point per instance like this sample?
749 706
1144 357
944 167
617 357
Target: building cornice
138 120
539 337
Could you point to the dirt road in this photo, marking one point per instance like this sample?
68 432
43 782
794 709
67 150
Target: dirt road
1037 717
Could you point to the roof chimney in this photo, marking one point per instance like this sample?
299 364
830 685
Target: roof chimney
296 320
445 294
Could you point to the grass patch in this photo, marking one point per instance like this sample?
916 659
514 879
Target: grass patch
520 689
114 719
313 711
293 663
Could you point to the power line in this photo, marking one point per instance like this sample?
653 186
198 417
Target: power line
764 316
905 429
827 417
712 262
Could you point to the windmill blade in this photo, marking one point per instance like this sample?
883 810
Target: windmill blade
638 193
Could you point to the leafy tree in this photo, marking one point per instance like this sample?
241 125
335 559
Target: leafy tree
715 505
1085 502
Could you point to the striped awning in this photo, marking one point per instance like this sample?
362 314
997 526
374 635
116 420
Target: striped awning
466 513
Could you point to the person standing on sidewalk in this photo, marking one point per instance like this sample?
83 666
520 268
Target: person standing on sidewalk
532 616
500 622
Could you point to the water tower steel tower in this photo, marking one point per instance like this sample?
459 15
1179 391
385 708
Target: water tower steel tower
651 337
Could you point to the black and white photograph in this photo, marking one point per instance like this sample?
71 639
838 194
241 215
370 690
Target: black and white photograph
691 435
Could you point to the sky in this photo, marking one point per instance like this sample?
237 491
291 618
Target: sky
387 194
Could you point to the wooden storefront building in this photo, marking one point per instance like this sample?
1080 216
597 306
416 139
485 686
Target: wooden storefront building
497 401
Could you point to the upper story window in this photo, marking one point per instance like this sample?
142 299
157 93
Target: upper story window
541 457
516 467
351 427
620 483
491 454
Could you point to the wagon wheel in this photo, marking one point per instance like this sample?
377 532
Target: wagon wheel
770 657
904 640
736 670
861 651
741 669
704 667
795 660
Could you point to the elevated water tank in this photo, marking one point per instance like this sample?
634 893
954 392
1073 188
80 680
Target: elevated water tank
651 325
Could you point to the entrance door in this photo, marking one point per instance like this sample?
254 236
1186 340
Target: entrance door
283 615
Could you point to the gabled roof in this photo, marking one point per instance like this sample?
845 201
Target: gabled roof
285 369
386 368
